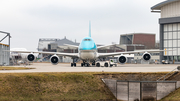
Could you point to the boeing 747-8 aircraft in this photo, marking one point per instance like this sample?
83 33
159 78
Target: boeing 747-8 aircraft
87 52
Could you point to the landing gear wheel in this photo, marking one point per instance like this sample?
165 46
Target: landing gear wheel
72 64
97 64
105 64
82 64
93 64
86 64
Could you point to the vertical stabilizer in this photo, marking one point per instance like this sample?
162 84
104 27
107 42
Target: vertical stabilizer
89 28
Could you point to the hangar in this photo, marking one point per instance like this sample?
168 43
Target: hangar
4 56
169 29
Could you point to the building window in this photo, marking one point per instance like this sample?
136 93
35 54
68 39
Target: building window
175 50
174 35
178 34
179 26
170 27
165 43
169 36
174 43
175 58
172 39
178 57
174 27
165 35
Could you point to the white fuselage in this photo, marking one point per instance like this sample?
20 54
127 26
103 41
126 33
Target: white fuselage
88 54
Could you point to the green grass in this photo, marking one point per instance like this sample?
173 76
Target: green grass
174 96
63 86
52 86
13 68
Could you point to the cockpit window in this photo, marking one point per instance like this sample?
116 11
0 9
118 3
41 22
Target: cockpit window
87 39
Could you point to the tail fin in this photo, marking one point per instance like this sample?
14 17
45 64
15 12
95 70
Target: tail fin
89 28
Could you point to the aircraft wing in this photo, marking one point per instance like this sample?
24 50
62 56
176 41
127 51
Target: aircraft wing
73 46
57 53
104 46
129 52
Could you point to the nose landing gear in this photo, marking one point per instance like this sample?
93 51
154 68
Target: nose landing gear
85 64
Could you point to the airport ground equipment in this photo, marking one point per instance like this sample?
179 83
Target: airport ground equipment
110 63
165 62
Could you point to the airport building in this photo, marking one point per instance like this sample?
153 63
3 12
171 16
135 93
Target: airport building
140 41
5 55
137 41
169 29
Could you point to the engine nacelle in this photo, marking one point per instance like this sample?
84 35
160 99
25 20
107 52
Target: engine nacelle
54 59
122 59
146 56
31 57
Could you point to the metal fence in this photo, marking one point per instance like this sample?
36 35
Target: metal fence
141 90
4 55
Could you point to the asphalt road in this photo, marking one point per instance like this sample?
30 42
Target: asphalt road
62 67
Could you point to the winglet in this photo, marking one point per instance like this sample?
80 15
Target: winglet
89 28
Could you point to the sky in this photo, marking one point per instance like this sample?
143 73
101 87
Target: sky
29 20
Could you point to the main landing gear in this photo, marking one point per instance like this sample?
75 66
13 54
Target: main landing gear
73 64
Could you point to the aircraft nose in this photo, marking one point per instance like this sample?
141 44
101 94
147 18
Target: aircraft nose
88 46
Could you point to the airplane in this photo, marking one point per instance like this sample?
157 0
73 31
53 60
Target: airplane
88 53
22 57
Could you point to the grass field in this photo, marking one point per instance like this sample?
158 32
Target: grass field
67 86
52 86
13 68
174 96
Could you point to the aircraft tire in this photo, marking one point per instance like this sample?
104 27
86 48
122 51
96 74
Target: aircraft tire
106 64
82 64
72 64
85 65
97 64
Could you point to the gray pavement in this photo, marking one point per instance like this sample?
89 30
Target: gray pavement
62 67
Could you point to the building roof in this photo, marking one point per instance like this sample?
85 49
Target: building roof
158 6
64 41
4 44
137 33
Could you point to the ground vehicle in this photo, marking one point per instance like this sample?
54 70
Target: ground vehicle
165 62
109 63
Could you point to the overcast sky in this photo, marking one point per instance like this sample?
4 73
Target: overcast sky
29 20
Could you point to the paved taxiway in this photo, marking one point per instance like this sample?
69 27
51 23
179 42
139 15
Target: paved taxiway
48 67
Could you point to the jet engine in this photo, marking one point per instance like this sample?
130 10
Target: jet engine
31 57
146 56
54 59
122 59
